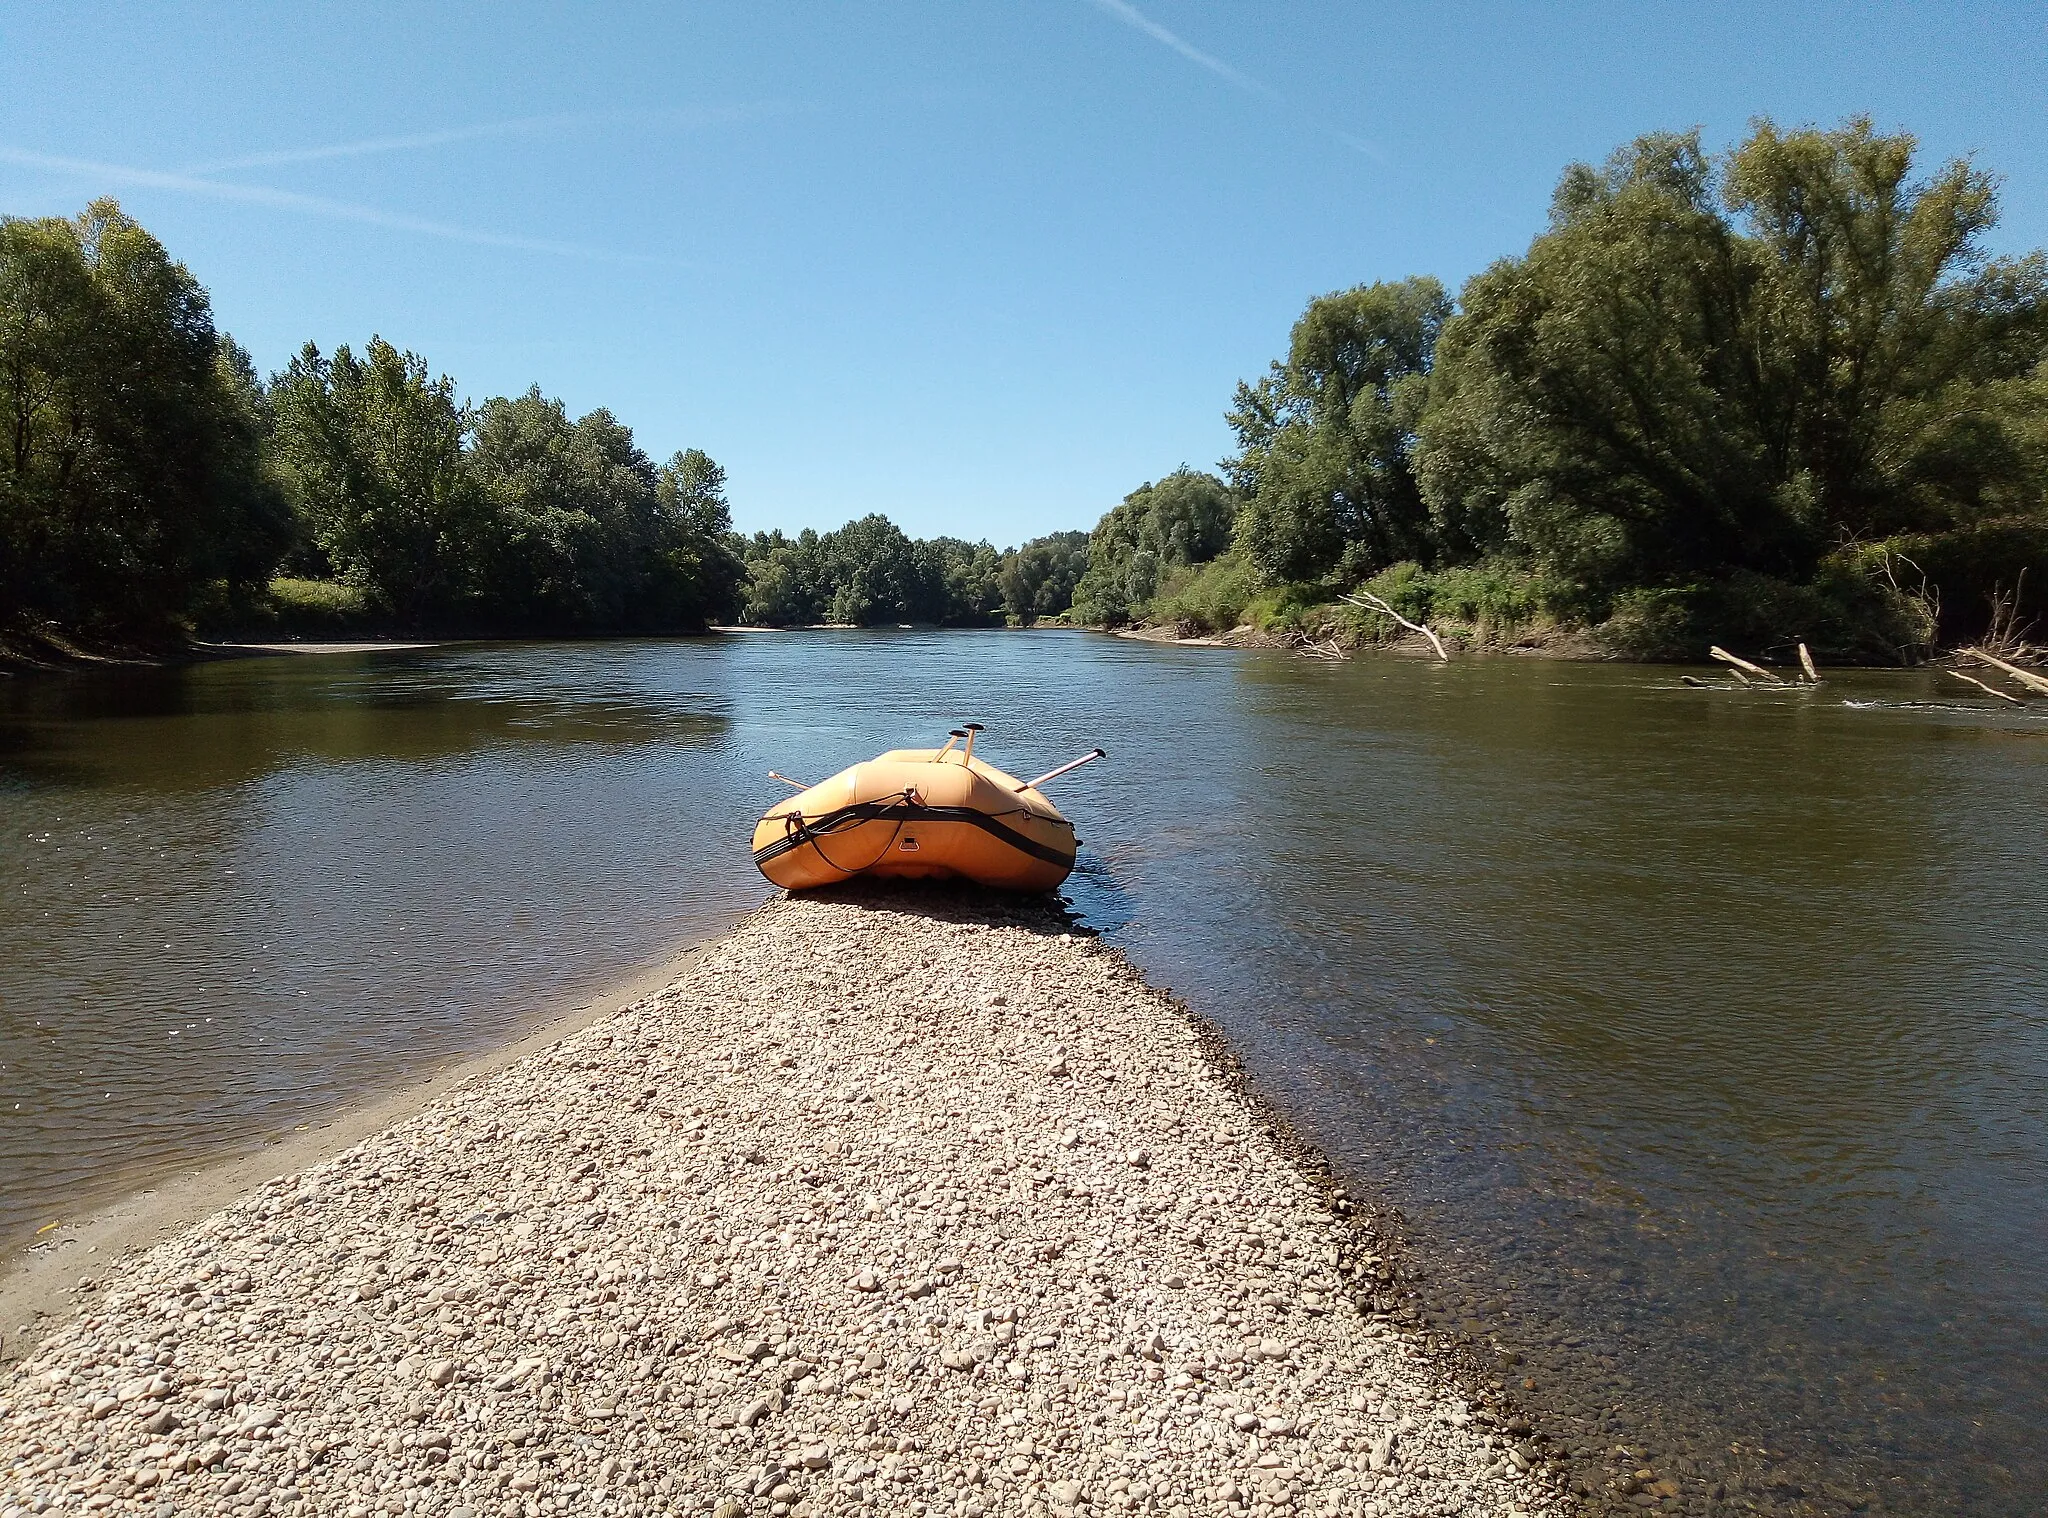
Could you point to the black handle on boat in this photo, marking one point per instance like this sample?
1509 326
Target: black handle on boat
1032 785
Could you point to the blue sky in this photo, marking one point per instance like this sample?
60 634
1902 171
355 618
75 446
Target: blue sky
982 266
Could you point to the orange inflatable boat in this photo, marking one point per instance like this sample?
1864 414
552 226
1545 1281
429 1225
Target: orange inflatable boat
920 812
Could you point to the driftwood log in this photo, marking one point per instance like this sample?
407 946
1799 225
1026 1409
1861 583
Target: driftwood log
1806 663
2031 681
1758 670
1988 689
1371 602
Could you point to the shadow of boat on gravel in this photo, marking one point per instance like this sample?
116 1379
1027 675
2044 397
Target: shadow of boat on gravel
954 901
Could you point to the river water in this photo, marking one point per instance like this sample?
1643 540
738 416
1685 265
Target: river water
1701 1036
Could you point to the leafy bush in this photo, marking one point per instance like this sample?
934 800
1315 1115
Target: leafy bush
1297 606
1495 599
1654 622
1184 519
1845 615
319 608
1207 597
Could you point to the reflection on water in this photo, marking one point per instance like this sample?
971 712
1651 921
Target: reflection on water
1703 1035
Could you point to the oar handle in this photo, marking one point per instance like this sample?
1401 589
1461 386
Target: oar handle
1089 758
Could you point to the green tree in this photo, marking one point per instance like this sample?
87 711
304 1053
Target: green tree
1038 578
701 577
131 474
784 580
1895 353
875 573
1185 518
372 451
568 511
1324 439
1706 368
967 580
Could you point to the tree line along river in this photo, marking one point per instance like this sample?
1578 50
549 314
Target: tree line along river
1701 1037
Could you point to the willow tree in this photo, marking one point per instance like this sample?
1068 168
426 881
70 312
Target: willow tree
1707 366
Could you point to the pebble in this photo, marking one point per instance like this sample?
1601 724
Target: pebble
790 1237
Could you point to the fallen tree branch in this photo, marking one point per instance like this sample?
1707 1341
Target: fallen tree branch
1988 689
2032 682
1806 663
1758 670
1372 602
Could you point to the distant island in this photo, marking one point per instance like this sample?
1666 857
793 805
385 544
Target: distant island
1778 394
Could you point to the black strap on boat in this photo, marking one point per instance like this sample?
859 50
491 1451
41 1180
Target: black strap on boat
902 810
798 831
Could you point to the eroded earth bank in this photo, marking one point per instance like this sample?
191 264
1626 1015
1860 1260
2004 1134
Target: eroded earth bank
891 1204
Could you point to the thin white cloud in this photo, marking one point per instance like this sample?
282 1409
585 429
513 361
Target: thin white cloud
1130 16
309 205
1360 145
523 126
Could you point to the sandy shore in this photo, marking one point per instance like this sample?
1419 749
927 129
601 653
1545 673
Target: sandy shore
361 646
885 1205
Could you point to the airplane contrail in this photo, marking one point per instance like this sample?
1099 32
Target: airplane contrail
516 127
312 205
1132 17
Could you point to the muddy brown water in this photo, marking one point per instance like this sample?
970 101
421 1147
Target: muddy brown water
1701 1037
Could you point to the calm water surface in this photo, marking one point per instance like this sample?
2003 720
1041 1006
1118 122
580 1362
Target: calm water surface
1703 1037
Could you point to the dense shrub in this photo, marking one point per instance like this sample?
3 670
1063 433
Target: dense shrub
1206 598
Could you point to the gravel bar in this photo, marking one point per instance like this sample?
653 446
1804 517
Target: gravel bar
896 1203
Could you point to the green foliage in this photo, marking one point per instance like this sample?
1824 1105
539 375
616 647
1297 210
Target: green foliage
698 577
580 530
1037 578
1295 606
371 450
1210 597
1324 439
509 517
318 608
869 573
132 477
1708 369
1408 588
1841 614
1184 519
1492 597
1750 398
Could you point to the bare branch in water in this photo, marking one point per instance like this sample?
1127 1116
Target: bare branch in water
1371 602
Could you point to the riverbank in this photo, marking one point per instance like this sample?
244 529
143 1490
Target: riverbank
53 653
1549 643
894 1203
39 1285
